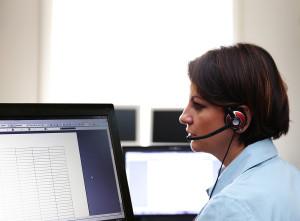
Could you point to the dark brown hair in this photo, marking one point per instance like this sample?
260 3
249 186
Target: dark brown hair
244 74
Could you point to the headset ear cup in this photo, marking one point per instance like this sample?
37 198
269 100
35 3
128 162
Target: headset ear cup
237 118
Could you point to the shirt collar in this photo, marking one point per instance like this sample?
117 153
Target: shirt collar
251 156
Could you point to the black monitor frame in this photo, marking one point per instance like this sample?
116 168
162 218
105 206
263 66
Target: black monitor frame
160 148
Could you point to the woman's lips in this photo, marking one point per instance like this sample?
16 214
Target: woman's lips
191 134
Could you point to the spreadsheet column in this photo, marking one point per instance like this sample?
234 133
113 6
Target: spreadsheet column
61 183
11 198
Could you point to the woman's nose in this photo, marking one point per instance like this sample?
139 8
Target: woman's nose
185 117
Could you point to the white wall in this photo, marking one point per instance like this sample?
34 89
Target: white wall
19 38
275 25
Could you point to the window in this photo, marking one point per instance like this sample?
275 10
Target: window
130 52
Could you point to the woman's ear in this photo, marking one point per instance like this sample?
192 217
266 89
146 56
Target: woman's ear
248 114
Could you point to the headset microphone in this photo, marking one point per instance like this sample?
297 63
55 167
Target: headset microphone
233 119
190 138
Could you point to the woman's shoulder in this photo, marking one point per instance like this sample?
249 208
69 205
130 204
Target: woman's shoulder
274 184
268 176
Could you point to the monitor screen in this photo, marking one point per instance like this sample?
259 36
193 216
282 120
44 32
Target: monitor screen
61 162
128 124
169 180
166 127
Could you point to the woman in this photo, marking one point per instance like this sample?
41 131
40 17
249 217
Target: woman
238 104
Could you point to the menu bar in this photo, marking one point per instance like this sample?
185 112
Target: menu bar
52 125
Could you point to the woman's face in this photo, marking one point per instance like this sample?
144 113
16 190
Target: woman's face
203 118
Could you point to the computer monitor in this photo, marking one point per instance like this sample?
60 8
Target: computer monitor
169 180
61 162
128 124
166 128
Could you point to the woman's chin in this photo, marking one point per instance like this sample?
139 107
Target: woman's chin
194 146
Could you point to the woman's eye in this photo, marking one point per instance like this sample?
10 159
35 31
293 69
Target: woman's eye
197 105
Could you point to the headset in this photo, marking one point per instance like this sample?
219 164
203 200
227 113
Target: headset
234 119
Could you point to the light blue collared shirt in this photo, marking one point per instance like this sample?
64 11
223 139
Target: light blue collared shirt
256 185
